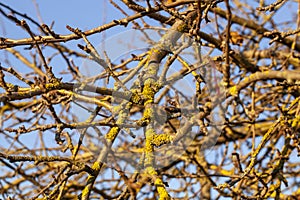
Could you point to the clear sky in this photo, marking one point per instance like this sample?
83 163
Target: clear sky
82 14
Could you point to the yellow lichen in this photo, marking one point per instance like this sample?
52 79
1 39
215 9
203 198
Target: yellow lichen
54 85
148 94
233 91
296 121
148 148
135 97
161 139
96 166
85 191
116 108
110 136
148 113
163 194
151 171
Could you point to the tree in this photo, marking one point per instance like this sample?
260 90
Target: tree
193 99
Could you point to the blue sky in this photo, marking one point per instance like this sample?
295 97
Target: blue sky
82 14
